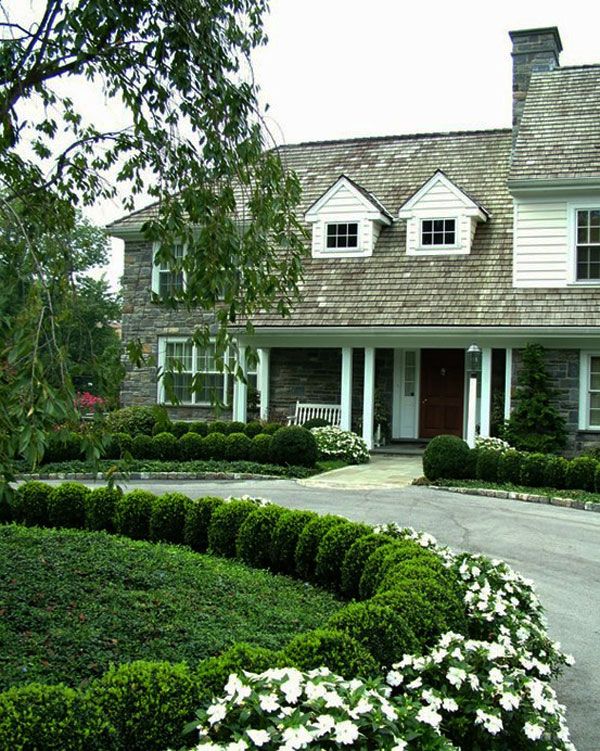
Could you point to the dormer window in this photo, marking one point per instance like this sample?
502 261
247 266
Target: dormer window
438 232
342 235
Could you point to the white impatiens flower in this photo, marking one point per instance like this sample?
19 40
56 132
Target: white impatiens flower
269 703
456 676
236 746
216 713
400 745
363 707
394 678
346 732
509 701
417 683
292 689
491 722
429 716
258 737
297 737
533 731
449 705
324 724
496 677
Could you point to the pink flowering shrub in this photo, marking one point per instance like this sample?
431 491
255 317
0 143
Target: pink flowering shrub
86 402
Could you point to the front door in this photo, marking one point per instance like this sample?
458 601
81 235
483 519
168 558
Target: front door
442 392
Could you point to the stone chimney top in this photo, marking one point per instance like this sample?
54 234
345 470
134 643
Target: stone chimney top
533 50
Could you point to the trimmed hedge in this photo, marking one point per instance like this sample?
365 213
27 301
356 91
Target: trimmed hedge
212 673
197 520
294 445
167 518
214 445
446 456
164 446
225 523
191 446
339 651
486 466
308 544
29 503
100 506
285 539
237 447
355 560
427 622
253 544
132 514
66 505
533 470
383 559
332 550
581 473
509 466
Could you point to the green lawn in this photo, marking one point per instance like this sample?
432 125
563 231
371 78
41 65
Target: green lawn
72 602
581 495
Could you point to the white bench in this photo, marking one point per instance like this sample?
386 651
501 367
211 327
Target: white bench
304 412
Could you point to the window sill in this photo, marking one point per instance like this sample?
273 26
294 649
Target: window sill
341 254
441 250
585 283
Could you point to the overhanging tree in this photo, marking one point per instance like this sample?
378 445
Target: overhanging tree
193 139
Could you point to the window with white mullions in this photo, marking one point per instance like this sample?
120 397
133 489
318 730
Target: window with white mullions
170 281
342 235
438 232
594 393
179 361
588 244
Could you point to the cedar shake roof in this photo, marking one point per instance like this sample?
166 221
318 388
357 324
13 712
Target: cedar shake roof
559 134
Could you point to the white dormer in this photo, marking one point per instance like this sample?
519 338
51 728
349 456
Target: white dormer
441 219
346 221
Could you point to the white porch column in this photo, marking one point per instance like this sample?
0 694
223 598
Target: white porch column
369 396
486 392
507 382
263 381
346 390
240 389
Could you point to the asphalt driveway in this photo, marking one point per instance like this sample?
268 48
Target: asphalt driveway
558 548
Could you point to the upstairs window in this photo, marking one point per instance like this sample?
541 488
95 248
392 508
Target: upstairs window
588 245
342 235
438 232
166 281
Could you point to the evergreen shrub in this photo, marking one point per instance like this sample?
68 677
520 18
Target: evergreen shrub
131 420
214 445
270 428
509 466
197 520
533 470
260 450
253 545
427 622
285 538
385 557
141 446
294 446
355 560
63 446
191 446
486 467
316 422
66 505
556 472
132 514
29 503
180 428
332 551
200 428
238 447
335 649
164 446
224 526
581 473
235 427
309 541
217 426
167 517
446 456
212 674
254 427
100 507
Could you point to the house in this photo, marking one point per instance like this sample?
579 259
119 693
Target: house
421 246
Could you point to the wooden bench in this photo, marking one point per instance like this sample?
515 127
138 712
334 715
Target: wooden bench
304 412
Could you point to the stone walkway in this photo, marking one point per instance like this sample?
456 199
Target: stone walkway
383 471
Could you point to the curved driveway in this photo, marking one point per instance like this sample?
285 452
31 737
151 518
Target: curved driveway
558 548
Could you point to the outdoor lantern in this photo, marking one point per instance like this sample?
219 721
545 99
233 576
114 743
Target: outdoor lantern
474 360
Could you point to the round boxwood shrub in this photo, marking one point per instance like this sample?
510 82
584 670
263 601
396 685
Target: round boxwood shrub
29 503
426 621
165 426
316 422
141 447
66 505
237 447
294 446
334 649
332 551
167 517
100 507
224 526
198 514
132 514
253 545
556 472
379 628
260 450
533 470
415 568
148 703
383 559
53 718
509 466
179 428
254 427
212 674
270 428
124 443
355 560
214 446
581 473
235 427
190 447
164 446
200 428
63 446
308 544
486 467
131 420
446 456
285 538
217 426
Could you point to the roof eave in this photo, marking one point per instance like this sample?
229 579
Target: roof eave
549 184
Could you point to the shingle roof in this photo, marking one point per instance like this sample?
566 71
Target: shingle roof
559 134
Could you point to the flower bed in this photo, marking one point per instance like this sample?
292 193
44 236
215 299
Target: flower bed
333 443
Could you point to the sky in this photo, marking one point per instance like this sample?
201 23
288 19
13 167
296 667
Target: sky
350 68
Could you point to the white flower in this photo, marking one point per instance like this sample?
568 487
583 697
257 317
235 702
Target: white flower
269 703
362 707
394 678
297 737
490 722
496 677
258 737
417 683
456 676
400 745
449 705
237 746
429 716
509 701
333 700
532 731
323 725
216 713
292 690
346 732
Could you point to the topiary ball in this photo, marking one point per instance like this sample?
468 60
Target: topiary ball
29 503
217 426
446 456
334 649
533 470
100 507
253 428
486 467
556 472
294 446
224 526
509 466
427 622
214 446
355 560
260 450
383 559
167 517
164 447
235 427
198 514
285 538
180 428
142 447
191 447
200 428
66 505
132 514
332 551
581 473
309 541
238 447
253 545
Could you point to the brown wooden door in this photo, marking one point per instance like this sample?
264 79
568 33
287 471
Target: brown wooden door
442 392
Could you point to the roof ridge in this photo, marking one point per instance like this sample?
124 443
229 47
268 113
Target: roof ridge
400 137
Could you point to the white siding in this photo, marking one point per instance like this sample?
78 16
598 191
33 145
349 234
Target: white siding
542 253
343 204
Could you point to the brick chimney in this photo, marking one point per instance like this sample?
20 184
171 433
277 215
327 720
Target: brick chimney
533 50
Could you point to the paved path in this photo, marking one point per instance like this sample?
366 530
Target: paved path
383 471
558 548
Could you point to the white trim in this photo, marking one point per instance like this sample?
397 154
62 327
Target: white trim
156 270
584 389
585 204
368 397
313 213
508 382
397 390
240 388
472 209
346 389
486 392
444 248
362 250
262 380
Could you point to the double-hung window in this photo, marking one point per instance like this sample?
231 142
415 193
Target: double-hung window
341 235
587 242
166 280
589 401
438 233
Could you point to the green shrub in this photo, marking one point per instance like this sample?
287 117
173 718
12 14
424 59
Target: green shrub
124 444
198 514
253 428
100 507
164 446
427 622
509 466
111 448
167 517
66 505
384 632
285 538
212 674
63 446
316 422
556 472
332 551
217 426
383 559
470 469
533 470
486 467
224 526
131 420
29 503
581 473
237 447
308 544
253 545
148 703
141 446
35 717
335 649
214 445
597 478
132 514
294 446
446 456
355 560
260 451
270 428
6 507
235 427
162 427
200 428
415 568
191 447
180 428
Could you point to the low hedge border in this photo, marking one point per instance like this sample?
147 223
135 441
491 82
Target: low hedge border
571 503
150 476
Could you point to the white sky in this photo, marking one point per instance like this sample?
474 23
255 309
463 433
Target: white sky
344 68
